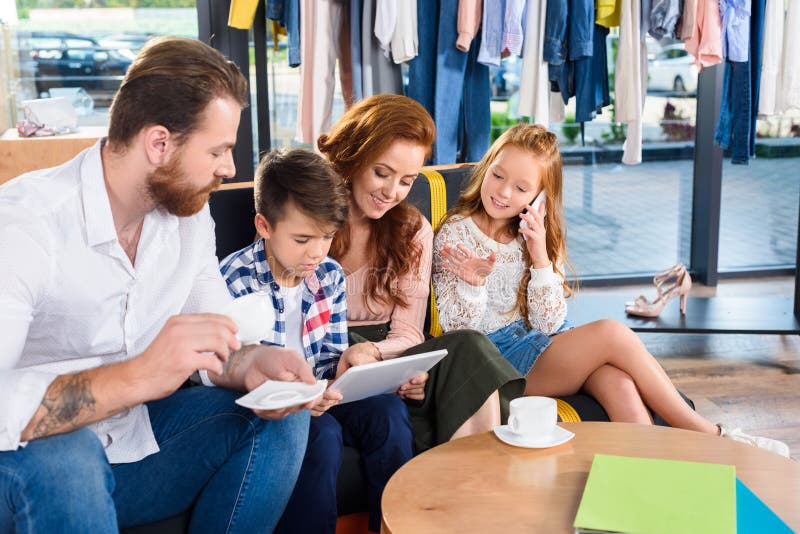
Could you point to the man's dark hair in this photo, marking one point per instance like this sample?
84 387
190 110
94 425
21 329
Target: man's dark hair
170 83
307 179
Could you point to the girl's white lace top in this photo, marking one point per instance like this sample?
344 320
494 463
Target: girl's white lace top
492 306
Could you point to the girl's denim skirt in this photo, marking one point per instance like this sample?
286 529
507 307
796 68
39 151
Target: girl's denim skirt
521 346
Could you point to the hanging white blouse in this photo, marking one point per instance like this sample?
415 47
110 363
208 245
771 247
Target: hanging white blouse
789 92
772 50
405 42
534 87
630 81
385 22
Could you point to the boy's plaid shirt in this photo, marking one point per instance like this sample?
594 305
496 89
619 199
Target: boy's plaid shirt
324 306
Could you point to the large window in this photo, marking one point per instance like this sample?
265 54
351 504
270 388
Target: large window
82 53
624 220
758 223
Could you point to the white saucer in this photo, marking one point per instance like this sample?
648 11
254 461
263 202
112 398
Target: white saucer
557 437
276 395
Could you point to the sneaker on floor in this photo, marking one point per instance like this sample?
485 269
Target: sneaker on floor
773 445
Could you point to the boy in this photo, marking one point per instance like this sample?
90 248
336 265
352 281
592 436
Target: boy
300 204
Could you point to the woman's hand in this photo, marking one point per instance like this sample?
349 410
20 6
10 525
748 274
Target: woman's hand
328 399
357 354
414 389
536 236
462 262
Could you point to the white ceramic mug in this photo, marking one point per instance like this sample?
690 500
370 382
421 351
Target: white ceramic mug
532 417
254 315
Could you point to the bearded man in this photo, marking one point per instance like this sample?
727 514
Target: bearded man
108 284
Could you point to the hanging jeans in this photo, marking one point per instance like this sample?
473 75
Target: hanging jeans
462 118
287 12
733 126
757 14
422 69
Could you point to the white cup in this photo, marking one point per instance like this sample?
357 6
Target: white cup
532 417
254 315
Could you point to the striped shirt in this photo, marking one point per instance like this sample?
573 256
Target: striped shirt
324 304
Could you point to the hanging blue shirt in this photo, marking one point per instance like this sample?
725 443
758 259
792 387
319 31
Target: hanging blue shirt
735 29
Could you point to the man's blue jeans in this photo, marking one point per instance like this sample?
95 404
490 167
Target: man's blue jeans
239 471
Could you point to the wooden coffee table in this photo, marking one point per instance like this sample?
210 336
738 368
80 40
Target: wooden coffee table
480 484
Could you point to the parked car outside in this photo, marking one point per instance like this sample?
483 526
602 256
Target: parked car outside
61 59
672 69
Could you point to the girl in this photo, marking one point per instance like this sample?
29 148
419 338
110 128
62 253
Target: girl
508 282
378 146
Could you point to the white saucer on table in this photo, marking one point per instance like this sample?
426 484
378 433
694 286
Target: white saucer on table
276 395
556 437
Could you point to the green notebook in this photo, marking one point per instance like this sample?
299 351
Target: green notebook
643 495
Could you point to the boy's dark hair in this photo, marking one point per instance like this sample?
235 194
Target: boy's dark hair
307 179
170 83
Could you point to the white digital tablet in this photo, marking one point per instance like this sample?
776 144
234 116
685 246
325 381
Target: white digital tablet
370 379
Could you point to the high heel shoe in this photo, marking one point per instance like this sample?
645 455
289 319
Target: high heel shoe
641 307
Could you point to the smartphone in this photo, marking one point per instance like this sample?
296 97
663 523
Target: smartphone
533 207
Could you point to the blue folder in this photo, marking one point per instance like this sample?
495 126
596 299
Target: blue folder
755 517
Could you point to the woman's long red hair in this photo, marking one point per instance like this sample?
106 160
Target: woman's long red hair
357 141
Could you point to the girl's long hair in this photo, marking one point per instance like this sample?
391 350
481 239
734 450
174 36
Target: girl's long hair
544 147
356 142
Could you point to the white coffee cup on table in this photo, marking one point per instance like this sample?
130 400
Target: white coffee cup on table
532 417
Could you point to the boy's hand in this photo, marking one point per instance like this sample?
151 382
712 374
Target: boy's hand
357 354
252 365
462 262
414 389
328 399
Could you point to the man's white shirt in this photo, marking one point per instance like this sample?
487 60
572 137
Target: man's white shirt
70 299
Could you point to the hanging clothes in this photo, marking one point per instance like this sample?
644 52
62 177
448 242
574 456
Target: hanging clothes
324 37
385 22
491 46
462 118
688 24
287 13
405 43
735 29
469 20
771 61
534 86
356 8
607 13
742 30
757 13
378 73
569 44
450 84
705 42
630 80
663 17
789 94
512 28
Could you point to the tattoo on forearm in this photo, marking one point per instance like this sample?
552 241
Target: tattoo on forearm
67 399
234 360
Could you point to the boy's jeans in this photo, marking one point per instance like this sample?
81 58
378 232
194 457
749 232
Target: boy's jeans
239 469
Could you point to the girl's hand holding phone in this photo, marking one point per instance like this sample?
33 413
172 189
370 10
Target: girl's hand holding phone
534 233
462 262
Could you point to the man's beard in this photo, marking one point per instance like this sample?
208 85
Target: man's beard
170 190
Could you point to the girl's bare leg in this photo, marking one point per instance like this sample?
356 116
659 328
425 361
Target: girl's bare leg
486 418
616 391
573 356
